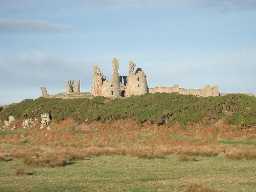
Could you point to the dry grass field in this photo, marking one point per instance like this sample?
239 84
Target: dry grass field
124 155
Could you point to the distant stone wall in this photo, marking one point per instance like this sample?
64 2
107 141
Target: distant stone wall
206 91
72 91
173 89
72 87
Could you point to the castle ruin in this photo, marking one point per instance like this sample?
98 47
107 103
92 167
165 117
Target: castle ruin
132 84
119 86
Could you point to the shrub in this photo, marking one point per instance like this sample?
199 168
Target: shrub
156 108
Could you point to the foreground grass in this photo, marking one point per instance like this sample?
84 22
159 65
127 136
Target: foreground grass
124 173
127 156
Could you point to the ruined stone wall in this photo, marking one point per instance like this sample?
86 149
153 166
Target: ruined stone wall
72 87
119 86
44 92
97 81
107 89
164 90
137 84
136 81
207 91
76 86
195 92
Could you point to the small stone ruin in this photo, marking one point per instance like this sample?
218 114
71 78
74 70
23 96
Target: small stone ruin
72 87
45 121
10 123
28 123
44 92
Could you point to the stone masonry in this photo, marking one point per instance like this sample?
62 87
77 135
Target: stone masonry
72 87
206 91
44 92
119 86
134 83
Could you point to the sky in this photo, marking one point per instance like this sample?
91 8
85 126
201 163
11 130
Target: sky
187 42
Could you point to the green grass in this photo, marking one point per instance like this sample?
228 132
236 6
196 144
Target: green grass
236 109
4 132
123 173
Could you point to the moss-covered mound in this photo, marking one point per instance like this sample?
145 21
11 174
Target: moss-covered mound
235 109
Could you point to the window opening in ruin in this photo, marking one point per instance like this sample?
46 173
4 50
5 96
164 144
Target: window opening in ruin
138 85
138 79
122 93
112 92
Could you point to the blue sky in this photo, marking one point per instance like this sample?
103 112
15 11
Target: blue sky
186 42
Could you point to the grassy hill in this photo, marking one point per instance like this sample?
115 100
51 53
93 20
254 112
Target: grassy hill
235 109
112 152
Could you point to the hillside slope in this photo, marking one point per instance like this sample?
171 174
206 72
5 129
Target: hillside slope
235 109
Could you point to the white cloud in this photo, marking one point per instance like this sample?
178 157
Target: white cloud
229 4
57 4
16 25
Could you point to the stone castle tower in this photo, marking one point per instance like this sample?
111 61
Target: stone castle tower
115 82
137 81
97 81
119 86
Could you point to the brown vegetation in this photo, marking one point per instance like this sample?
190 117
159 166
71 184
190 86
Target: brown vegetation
238 154
187 158
198 188
22 172
68 141
5 157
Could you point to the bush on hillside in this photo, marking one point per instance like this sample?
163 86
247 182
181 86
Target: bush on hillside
237 109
